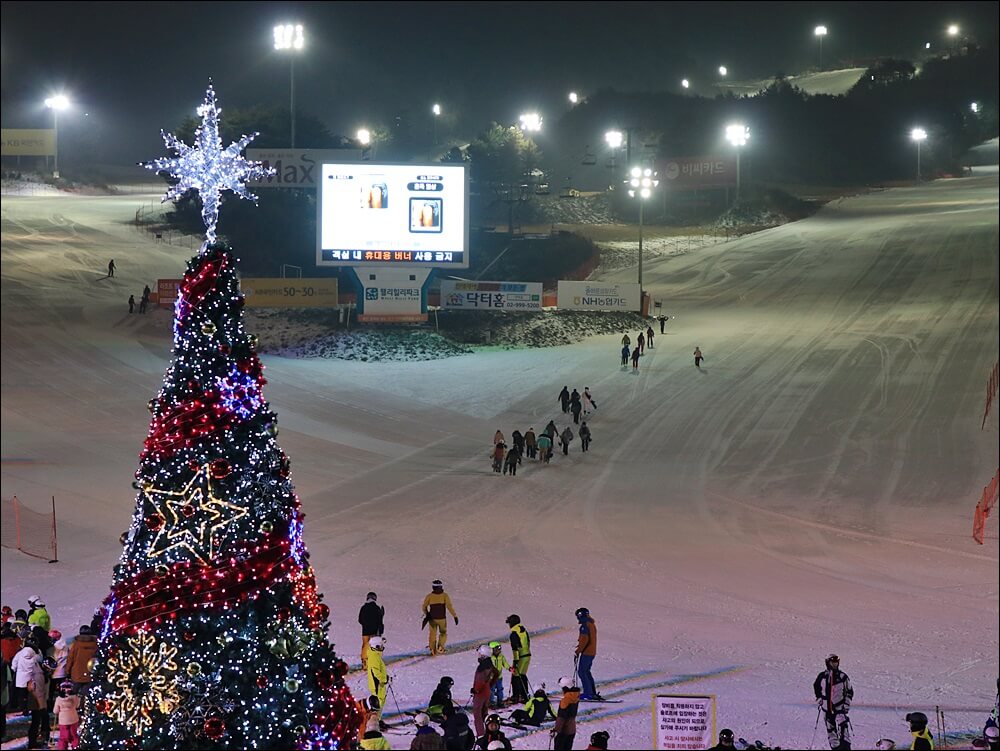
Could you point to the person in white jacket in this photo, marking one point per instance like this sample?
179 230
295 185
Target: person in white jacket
29 677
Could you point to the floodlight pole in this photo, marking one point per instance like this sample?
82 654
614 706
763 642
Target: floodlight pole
291 107
642 201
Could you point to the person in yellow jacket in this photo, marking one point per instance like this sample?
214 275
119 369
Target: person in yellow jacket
922 740
435 609
501 664
520 647
373 738
378 676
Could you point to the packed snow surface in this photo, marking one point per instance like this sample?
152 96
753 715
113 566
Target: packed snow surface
809 490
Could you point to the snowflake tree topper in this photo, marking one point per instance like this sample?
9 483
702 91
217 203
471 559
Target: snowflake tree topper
207 167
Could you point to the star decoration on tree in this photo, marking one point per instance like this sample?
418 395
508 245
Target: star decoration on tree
192 517
207 167
144 675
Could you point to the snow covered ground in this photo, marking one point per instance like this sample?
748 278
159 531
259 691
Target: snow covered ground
832 82
809 490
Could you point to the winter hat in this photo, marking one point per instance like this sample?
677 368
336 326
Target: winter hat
600 739
66 686
5 610
539 693
371 597
20 614
917 720
421 720
55 635
86 630
884 744
437 584
495 746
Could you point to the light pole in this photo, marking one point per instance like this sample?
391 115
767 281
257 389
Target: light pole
56 103
531 122
820 32
641 184
685 84
918 135
289 36
573 97
436 109
737 134
723 71
614 139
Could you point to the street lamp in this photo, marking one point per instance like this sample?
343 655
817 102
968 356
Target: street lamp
573 98
531 122
953 30
820 32
918 135
289 36
436 109
641 184
56 103
685 83
614 139
723 71
737 134
974 107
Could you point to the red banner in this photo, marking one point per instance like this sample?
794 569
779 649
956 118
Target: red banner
984 507
991 392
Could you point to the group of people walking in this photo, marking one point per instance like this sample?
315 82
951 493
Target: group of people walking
642 341
541 446
143 302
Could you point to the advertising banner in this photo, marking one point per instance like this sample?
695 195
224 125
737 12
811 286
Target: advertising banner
385 295
684 723
28 142
461 295
696 172
166 291
296 168
289 293
598 296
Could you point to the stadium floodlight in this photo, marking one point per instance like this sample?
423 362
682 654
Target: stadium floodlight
56 103
642 181
573 97
364 136
723 71
531 122
436 109
290 37
820 32
974 107
927 45
685 83
953 30
918 135
737 134
614 139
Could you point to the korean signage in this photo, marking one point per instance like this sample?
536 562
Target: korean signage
491 295
166 291
683 723
598 296
295 168
694 172
289 293
392 294
24 142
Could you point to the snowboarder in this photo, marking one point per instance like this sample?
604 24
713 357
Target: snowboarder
640 342
544 448
493 737
498 454
726 741
833 695
434 607
441 699
564 398
520 647
625 353
531 443
501 664
427 738
111 268
922 740
626 342
131 303
576 407
584 436
378 674
649 336
698 357
589 405
635 358
599 741
511 462
565 438
565 729
372 620
586 651
536 710
485 675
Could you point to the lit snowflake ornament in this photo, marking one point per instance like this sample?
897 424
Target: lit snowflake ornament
207 167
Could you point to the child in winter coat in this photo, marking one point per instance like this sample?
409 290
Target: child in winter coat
501 664
67 711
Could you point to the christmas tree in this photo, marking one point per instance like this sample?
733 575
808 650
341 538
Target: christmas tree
214 634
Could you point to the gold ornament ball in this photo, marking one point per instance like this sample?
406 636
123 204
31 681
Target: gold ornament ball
162 570
300 729
267 527
194 668
91 664
208 328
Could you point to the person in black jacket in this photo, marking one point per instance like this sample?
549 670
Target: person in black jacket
371 617
457 734
564 398
584 434
536 710
834 695
726 741
441 702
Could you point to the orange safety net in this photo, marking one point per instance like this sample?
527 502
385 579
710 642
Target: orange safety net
984 507
29 531
991 392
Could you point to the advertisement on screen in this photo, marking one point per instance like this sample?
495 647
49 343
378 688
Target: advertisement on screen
393 215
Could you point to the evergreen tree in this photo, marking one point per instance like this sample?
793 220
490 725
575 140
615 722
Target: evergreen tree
214 633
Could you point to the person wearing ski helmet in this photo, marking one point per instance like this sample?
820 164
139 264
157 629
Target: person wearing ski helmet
520 647
726 741
481 683
372 620
378 675
834 695
565 730
536 710
435 611
501 664
38 615
992 735
441 698
373 739
599 741
586 651
922 739
427 738
493 735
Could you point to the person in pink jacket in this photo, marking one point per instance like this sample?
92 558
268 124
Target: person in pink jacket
67 712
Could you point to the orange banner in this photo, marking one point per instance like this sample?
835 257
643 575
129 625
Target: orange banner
984 507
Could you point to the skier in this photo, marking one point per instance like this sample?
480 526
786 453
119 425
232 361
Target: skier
493 737
520 647
536 710
599 741
498 456
434 607
441 699
565 438
576 408
498 438
625 340
530 443
501 664
564 398
427 738
584 436
635 358
111 268
649 336
485 675
586 651
378 675
698 357
565 729
726 741
589 405
833 695
625 353
511 462
372 620
518 440
640 342
544 448
922 740
131 303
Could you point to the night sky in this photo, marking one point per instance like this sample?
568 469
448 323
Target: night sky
138 67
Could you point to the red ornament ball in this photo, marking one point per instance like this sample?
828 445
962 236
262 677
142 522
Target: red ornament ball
102 706
154 522
283 614
188 510
214 728
261 681
188 635
193 465
221 468
323 611
325 678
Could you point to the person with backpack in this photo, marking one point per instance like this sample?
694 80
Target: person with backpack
698 357
625 353
589 405
649 336
635 359
576 407
372 620
640 342
518 441
584 436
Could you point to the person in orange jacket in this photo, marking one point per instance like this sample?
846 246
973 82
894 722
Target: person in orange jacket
586 651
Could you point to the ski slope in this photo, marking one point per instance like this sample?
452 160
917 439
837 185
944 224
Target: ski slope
809 490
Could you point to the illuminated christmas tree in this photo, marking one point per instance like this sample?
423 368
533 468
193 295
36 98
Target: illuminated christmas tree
214 635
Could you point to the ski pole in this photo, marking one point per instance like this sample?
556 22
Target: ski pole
815 728
944 732
937 718
400 711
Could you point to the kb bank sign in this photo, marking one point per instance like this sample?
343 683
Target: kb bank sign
296 168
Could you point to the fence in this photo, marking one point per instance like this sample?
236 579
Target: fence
29 531
151 219
984 507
